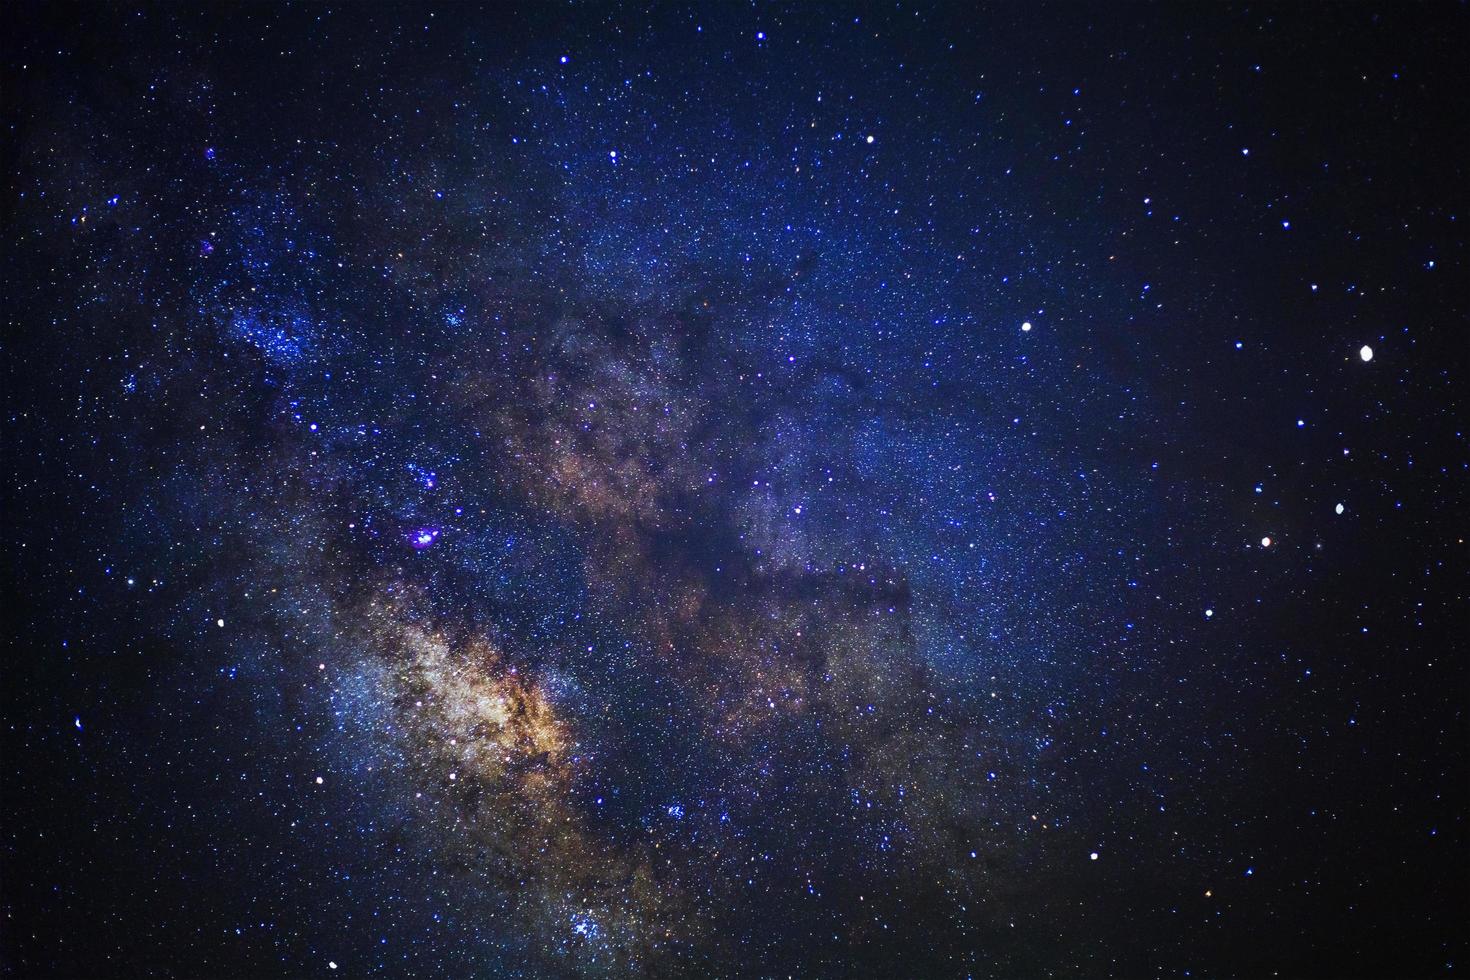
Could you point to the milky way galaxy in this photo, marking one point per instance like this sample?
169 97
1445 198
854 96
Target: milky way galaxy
734 491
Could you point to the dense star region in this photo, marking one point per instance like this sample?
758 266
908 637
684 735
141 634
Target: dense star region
920 491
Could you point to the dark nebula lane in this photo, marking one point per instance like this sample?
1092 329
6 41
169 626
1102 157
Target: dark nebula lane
914 491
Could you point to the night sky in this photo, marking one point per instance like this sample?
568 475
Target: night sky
741 491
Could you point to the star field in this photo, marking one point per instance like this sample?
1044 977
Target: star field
734 491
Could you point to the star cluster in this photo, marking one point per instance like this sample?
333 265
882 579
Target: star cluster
734 491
